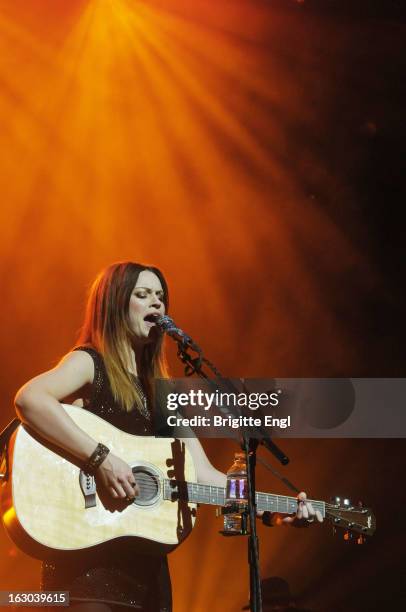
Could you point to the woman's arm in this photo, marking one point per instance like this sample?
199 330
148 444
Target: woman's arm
206 473
38 405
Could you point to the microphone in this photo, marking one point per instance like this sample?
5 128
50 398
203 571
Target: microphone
168 326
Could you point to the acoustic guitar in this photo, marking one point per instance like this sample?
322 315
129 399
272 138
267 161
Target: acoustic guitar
49 505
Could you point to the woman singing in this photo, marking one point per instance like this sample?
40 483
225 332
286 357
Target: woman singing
110 372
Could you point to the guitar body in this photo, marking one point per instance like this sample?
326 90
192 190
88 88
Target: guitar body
48 506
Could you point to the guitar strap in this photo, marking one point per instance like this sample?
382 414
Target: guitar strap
5 436
7 432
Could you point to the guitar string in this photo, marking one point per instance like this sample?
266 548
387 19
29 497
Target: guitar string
208 489
208 492
211 490
146 482
147 486
207 495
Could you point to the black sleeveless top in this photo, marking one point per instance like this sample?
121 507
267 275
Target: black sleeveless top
116 574
102 403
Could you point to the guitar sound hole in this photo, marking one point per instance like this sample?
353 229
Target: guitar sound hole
148 485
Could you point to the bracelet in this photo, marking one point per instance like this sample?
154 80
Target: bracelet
96 458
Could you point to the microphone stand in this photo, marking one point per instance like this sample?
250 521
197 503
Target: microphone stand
249 445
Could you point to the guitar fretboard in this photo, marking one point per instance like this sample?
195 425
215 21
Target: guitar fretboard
216 496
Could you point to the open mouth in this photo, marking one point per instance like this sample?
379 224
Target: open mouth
151 318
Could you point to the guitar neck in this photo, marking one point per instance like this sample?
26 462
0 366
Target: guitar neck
216 496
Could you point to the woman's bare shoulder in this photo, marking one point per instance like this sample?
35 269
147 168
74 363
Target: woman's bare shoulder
73 372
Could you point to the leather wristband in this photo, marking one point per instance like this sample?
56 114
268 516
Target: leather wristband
96 458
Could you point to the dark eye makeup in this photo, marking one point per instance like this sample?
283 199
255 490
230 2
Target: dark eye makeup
144 293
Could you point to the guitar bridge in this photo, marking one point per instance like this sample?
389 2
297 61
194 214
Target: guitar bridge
88 487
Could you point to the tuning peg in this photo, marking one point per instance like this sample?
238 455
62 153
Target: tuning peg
343 502
349 536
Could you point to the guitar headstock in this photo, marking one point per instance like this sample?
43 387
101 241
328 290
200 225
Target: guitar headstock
352 518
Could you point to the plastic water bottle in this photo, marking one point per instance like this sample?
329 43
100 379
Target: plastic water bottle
236 494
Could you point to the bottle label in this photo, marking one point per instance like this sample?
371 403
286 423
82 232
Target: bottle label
237 488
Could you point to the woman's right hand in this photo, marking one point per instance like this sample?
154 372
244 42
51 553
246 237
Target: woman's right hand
117 478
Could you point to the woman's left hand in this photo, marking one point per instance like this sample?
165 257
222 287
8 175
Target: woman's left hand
305 514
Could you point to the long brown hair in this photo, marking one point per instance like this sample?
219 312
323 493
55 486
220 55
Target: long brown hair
107 328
